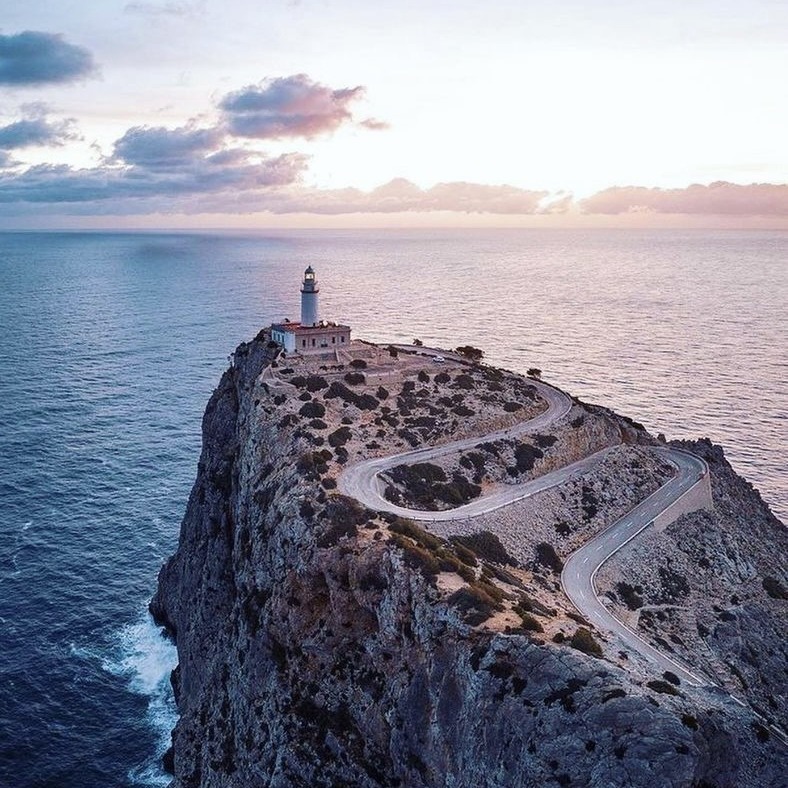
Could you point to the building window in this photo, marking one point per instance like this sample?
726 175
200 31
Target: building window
333 340
313 343
343 339
303 343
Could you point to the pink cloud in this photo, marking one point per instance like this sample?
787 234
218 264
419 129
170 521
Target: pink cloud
294 106
720 198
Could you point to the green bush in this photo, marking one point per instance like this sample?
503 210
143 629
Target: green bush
408 528
528 621
358 363
355 378
417 557
584 641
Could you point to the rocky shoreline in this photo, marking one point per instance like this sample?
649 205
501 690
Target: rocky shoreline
321 643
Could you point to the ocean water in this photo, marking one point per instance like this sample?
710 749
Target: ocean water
110 345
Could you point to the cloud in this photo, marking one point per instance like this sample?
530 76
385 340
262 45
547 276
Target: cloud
402 196
160 147
166 9
197 186
36 130
720 198
34 58
292 106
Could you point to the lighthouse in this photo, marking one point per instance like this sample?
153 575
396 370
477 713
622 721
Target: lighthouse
310 311
312 335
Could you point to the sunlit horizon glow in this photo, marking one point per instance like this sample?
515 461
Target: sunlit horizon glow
161 114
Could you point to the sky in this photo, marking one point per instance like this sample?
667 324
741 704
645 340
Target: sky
313 113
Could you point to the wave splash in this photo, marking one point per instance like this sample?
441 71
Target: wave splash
145 658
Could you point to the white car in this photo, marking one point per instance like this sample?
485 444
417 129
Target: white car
439 359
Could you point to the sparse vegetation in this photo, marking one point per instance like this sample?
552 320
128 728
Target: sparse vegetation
584 641
470 352
547 557
486 545
658 685
630 594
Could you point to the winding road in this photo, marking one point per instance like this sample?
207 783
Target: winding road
362 482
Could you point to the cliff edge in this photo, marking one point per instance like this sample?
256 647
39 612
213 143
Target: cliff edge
322 643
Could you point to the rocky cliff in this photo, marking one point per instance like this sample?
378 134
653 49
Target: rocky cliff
323 644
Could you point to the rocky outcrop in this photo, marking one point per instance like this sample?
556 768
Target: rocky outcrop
318 647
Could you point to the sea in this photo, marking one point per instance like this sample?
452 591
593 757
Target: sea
111 343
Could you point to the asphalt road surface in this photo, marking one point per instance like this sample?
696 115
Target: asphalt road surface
362 482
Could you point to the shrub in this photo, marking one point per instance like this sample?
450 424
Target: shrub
528 621
658 685
630 595
486 545
341 391
423 377
462 410
474 603
416 556
512 407
464 382
442 377
584 641
547 557
355 378
525 456
465 555
671 677
318 424
381 393
340 436
417 533
470 352
316 383
358 363
312 410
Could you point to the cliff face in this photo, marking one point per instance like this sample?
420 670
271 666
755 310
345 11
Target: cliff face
315 648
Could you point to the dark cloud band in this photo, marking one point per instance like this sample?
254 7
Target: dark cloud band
34 58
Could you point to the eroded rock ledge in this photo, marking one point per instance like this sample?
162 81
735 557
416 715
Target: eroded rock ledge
321 644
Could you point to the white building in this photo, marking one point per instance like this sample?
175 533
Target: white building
311 335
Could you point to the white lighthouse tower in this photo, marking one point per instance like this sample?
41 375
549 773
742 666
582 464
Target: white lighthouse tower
310 311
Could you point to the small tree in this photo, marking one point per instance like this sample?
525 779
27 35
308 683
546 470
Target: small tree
470 352
534 372
417 342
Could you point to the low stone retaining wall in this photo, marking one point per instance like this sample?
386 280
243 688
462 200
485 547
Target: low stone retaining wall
697 497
